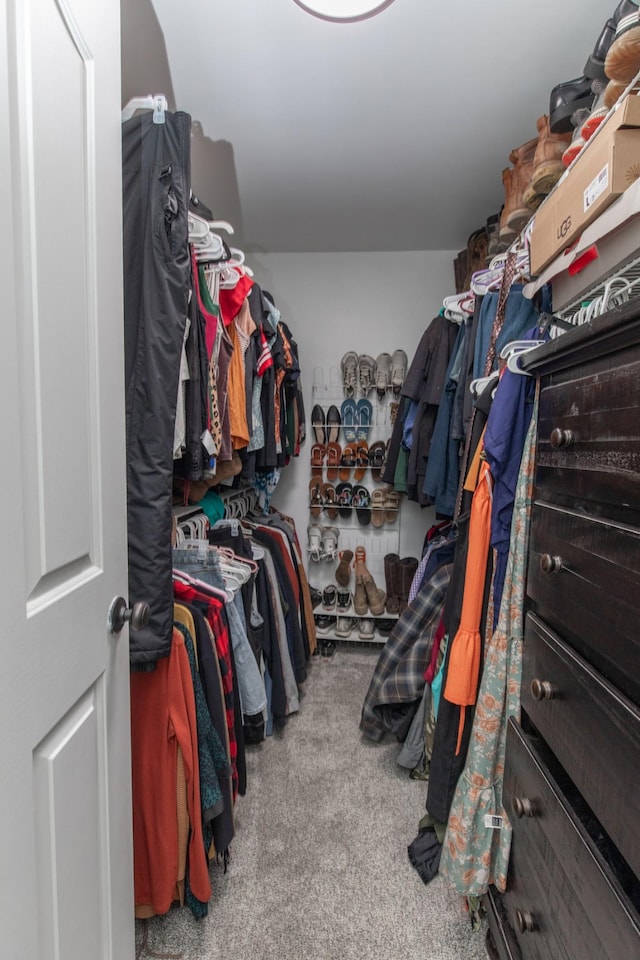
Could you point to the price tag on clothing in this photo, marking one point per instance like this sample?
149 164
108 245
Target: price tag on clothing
492 822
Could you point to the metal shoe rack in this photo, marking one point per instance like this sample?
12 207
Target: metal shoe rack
377 541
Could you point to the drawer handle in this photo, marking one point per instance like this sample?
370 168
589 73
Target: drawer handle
525 921
542 690
550 564
561 438
522 807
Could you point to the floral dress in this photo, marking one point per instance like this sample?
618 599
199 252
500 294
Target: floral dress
473 855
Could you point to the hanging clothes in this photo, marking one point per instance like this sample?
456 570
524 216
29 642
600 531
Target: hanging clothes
157 280
474 857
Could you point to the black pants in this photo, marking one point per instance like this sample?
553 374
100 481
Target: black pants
157 277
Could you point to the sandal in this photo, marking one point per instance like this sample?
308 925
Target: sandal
318 453
334 455
376 459
316 502
349 414
378 500
347 462
344 493
314 547
334 423
318 424
328 492
364 416
391 504
330 544
362 461
362 503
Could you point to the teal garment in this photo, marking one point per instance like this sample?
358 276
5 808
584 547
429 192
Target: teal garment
436 683
473 856
212 507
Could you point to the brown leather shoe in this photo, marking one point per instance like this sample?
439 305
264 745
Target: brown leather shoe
522 159
547 163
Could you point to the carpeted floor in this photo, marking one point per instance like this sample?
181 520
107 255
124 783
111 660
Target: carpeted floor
320 868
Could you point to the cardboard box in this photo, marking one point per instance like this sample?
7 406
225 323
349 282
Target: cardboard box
604 169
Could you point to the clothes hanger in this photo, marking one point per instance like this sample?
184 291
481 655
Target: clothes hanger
157 103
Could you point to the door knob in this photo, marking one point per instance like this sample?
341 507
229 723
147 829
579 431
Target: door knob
550 564
561 438
119 614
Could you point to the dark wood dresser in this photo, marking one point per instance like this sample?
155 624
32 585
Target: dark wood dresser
572 772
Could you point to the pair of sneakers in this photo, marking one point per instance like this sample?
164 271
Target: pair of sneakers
391 369
358 370
336 598
322 542
364 626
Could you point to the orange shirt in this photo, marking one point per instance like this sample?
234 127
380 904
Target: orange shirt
163 715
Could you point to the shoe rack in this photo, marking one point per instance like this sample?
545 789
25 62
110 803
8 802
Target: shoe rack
378 541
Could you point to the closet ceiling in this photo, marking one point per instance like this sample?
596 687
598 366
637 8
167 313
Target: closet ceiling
388 134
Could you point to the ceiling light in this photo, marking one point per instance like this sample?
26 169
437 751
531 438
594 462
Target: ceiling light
343 11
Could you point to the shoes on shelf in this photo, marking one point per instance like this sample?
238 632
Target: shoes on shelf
343 570
516 213
334 456
383 374
329 500
367 629
366 373
408 567
622 61
362 502
344 627
377 455
360 604
324 624
349 368
318 454
330 537
376 598
594 67
318 424
315 534
316 502
343 600
385 626
316 597
349 416
378 501
329 597
344 495
392 582
399 362
567 98
547 163
364 418
333 424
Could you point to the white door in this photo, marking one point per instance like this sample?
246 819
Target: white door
65 789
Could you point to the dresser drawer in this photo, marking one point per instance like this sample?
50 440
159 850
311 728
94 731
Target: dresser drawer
565 901
590 592
592 729
589 433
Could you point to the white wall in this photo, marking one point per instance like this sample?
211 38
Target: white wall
367 302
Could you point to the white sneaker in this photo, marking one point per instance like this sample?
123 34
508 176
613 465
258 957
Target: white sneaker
367 629
344 627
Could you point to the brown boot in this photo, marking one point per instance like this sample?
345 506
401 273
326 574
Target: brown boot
376 598
506 234
360 606
392 582
408 567
547 163
522 159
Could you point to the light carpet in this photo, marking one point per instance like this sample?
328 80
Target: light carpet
319 867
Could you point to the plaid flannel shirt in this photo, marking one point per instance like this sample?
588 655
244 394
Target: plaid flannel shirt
399 673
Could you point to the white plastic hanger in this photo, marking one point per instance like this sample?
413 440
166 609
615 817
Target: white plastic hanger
157 103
